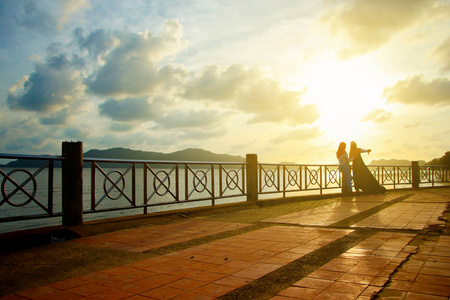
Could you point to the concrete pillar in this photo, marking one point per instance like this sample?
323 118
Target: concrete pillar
252 177
415 174
72 183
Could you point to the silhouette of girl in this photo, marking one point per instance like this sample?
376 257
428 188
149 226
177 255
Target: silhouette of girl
362 177
344 168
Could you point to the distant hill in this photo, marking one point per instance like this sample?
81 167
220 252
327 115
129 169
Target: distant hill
394 162
191 154
124 153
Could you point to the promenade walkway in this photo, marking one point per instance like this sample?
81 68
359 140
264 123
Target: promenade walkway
391 246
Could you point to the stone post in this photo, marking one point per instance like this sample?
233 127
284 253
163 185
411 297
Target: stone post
415 174
72 183
252 177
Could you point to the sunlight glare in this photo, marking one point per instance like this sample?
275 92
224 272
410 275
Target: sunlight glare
344 92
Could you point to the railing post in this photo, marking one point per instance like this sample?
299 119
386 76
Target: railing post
72 183
252 177
415 174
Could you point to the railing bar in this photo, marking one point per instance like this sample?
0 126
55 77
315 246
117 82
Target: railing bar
177 180
221 191
133 183
88 159
321 183
145 200
93 167
50 187
212 185
186 181
30 217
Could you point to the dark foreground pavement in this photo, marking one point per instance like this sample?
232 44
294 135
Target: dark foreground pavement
391 246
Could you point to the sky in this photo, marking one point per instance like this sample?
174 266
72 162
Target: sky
286 80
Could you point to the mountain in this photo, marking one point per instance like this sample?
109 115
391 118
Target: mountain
394 162
124 153
190 154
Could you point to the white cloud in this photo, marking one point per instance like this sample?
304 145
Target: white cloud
299 134
219 83
442 55
370 24
377 115
252 92
415 90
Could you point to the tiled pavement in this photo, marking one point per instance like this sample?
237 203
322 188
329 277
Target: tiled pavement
359 273
142 239
383 264
414 216
334 212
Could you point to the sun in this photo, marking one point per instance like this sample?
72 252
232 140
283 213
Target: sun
344 92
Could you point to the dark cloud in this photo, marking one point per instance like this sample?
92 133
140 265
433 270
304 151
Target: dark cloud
56 84
128 110
74 133
98 43
415 90
36 17
43 16
122 127
132 66
59 118
24 135
191 119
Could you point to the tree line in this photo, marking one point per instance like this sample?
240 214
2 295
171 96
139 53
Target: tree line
444 160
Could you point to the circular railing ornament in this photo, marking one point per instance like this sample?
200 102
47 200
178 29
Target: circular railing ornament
292 177
269 178
114 184
231 179
200 181
314 176
162 183
30 197
334 176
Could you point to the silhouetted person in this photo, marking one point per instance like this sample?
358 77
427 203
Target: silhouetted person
344 168
362 177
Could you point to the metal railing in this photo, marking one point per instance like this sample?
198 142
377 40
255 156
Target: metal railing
161 183
291 178
20 189
434 174
111 185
